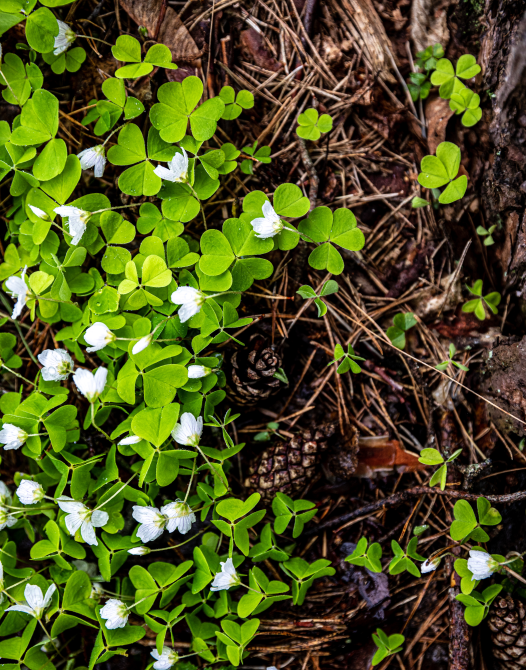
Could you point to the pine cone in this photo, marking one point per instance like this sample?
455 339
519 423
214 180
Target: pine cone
507 623
288 467
252 372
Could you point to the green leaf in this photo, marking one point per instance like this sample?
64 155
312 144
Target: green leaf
467 67
217 253
41 30
454 191
465 520
155 425
51 161
433 172
127 49
289 201
176 102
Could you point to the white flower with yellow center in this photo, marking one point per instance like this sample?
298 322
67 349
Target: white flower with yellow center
94 157
153 522
226 578
58 364
35 599
79 516
166 660
65 38
177 170
20 290
190 299
179 515
188 432
30 492
269 224
12 437
90 385
98 335
77 221
115 613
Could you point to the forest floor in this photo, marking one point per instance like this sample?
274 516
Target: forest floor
350 59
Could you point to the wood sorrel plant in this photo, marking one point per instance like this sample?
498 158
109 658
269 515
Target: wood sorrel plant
149 320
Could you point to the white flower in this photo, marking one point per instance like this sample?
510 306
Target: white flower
5 494
177 170
57 363
191 300
481 564
79 516
268 225
6 519
198 371
131 439
90 385
94 157
96 591
66 36
142 344
166 660
188 432
39 212
30 492
77 221
36 601
179 515
430 565
226 578
139 551
116 614
98 335
48 645
152 522
12 437
20 290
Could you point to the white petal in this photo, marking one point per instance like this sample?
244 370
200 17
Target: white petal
73 522
88 533
34 597
99 518
49 594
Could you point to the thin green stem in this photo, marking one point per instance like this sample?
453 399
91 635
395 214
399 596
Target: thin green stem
2 365
95 39
95 425
17 326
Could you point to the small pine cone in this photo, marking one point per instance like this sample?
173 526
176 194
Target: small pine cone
288 467
252 372
507 623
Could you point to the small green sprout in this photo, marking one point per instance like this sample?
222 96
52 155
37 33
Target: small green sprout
444 364
434 457
349 360
443 169
419 202
427 59
488 234
448 77
466 527
479 304
467 103
403 560
478 604
235 104
311 125
364 557
402 323
387 645
261 155
418 85
265 435
308 293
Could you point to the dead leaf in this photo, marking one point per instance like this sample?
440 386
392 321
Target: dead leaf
429 23
254 46
438 114
380 456
430 305
172 32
